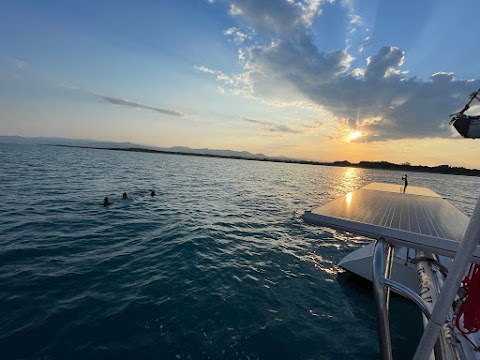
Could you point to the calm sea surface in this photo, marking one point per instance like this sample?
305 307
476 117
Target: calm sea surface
219 265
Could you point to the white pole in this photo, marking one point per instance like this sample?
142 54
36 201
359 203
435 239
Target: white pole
447 295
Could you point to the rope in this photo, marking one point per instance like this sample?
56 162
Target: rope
469 311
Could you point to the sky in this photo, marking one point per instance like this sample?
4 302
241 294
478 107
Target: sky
307 79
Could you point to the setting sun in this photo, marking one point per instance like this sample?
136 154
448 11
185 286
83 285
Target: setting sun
354 135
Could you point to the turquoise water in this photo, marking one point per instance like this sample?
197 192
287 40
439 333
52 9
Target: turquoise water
219 265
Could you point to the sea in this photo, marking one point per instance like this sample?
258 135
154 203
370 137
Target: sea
218 265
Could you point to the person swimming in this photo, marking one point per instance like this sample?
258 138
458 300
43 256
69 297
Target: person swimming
106 202
152 193
125 195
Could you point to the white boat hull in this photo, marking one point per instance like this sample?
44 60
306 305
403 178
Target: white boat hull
360 263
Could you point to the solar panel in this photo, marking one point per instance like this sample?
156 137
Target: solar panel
420 218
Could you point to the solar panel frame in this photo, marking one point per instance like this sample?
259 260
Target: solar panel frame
419 218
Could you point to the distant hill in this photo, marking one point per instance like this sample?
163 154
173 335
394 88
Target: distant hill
231 153
64 141
181 150
126 145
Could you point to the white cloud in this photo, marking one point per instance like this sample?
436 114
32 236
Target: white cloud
238 36
355 19
275 17
357 72
286 67
356 29
235 10
366 41
383 64
310 10
20 64
236 83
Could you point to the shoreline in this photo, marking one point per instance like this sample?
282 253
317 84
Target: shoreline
379 165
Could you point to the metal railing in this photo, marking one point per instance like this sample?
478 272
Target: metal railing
382 283
437 311
449 291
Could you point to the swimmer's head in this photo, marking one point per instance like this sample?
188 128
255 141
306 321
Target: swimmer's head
152 193
106 202
125 195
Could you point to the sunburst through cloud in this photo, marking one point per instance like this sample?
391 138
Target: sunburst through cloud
290 65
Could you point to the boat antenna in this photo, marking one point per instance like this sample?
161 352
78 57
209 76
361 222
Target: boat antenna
460 114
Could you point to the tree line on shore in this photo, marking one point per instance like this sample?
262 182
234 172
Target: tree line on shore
381 165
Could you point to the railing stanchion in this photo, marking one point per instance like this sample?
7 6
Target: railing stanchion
380 269
447 295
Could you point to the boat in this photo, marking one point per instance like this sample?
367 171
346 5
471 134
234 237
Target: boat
359 262
467 125
416 234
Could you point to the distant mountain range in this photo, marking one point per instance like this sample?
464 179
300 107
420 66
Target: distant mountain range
129 145
181 150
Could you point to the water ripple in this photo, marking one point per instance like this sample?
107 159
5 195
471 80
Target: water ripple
218 265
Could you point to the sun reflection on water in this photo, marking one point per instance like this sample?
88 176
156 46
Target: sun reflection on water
324 264
350 180
348 198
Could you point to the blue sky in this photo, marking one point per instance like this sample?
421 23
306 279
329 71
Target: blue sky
287 77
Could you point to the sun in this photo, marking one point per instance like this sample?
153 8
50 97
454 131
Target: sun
353 135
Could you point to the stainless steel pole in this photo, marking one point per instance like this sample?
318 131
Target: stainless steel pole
447 295
380 293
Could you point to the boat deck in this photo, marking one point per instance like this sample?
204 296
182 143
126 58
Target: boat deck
418 218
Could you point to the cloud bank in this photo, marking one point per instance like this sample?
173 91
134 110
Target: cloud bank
282 64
